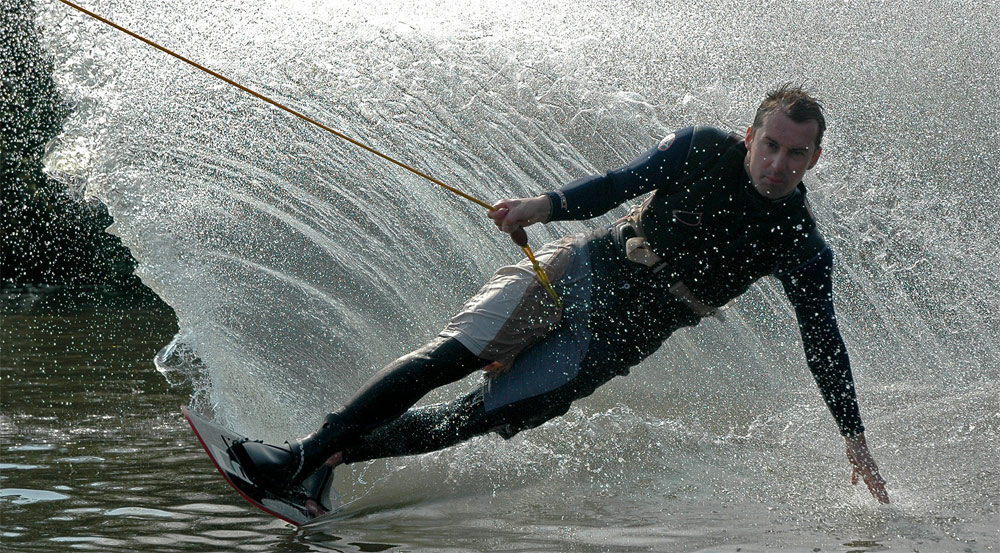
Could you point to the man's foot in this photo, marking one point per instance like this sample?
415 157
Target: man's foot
284 469
316 486
335 460
315 508
276 468
315 490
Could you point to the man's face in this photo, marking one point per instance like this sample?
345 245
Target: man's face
779 153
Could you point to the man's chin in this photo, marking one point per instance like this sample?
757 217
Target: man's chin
773 192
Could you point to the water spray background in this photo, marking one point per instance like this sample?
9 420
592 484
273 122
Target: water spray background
297 263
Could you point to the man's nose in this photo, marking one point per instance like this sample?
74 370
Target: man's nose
780 161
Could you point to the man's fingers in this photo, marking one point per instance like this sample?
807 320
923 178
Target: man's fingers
864 468
880 494
877 487
498 214
511 216
874 482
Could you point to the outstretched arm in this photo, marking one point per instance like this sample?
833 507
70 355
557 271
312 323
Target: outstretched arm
594 195
809 287
597 194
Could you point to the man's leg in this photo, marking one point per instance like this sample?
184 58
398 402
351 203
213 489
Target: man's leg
386 396
398 386
509 313
444 425
416 431
423 430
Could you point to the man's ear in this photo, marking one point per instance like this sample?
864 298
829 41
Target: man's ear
815 158
749 137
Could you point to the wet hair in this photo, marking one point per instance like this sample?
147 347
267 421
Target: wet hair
796 103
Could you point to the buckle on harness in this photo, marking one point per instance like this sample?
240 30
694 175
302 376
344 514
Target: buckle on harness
628 233
637 250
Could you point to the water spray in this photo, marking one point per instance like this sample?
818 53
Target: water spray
519 237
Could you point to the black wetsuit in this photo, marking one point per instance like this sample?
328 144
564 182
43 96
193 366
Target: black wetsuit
632 316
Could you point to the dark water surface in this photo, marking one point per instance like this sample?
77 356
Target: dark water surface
95 455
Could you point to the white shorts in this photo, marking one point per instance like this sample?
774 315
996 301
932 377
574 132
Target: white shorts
513 312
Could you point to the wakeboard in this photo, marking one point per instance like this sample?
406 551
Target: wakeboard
217 440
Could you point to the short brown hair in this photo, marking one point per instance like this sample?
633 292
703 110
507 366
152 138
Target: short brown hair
796 103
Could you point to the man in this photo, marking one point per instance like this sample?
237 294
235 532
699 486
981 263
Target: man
724 212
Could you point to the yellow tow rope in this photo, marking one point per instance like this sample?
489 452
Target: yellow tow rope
542 277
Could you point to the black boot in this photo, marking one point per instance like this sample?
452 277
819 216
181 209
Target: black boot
282 469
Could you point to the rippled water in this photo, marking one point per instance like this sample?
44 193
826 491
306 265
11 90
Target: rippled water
296 264
94 456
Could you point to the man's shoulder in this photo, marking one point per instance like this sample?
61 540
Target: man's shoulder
697 141
710 145
712 138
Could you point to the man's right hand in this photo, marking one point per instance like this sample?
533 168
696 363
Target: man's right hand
512 215
865 468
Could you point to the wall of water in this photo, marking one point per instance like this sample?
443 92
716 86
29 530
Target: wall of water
298 264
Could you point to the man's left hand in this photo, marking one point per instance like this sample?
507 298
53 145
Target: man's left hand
865 468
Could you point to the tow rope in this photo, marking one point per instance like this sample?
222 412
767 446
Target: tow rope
521 239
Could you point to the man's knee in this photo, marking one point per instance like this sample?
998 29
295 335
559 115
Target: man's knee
445 348
444 351
533 412
438 362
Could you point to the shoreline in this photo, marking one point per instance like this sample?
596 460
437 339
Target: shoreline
52 236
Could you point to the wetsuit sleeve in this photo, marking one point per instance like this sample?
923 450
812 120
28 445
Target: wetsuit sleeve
809 287
597 194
